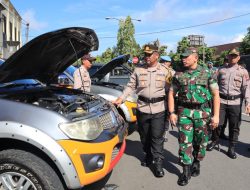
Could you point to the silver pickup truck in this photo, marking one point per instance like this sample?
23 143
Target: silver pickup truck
51 137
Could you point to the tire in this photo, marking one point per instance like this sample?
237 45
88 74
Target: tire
23 170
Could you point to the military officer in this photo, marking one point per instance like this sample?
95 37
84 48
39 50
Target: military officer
81 75
149 82
193 89
232 79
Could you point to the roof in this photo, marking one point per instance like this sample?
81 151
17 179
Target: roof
225 47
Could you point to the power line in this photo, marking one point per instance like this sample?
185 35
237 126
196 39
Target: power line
185 27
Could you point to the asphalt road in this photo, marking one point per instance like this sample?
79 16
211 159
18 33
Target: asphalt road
218 171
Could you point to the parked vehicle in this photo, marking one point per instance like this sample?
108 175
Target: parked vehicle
53 137
101 75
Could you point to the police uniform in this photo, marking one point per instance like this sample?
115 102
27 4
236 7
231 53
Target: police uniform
81 75
82 79
232 80
149 83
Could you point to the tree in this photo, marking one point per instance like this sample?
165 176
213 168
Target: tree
126 43
245 45
106 56
182 45
220 60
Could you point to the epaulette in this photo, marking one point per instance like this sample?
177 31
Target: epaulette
163 65
241 67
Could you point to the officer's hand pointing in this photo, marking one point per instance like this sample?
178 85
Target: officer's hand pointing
117 102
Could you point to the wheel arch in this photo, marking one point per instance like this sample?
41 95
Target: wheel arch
41 143
7 144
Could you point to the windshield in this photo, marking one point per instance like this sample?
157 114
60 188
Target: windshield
94 68
70 70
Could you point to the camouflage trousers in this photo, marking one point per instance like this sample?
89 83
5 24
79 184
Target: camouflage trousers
193 138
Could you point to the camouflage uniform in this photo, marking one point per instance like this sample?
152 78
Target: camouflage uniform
193 89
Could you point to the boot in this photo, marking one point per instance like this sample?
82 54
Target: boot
195 169
231 153
212 145
158 171
185 176
147 161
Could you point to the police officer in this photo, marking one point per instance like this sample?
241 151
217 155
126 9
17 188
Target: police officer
167 62
81 75
232 81
194 87
149 83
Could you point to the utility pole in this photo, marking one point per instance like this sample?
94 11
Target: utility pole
27 32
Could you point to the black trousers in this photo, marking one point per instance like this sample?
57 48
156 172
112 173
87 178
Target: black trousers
233 114
151 129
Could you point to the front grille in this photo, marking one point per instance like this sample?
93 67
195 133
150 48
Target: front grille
106 121
116 151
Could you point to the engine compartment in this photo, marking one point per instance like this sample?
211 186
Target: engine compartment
68 102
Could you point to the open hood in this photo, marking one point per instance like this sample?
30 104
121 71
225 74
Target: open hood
48 55
105 69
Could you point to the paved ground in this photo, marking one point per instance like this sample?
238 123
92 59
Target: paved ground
217 170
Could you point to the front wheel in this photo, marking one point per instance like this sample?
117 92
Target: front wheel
23 170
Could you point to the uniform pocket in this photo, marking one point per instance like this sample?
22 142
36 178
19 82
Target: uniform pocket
142 82
160 82
237 81
201 82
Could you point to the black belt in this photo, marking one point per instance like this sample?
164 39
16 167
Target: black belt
227 97
152 100
193 106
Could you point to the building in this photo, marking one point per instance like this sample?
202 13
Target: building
225 47
10 29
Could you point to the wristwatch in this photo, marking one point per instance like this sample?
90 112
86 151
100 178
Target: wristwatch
171 112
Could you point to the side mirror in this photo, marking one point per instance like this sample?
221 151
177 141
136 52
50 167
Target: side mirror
63 80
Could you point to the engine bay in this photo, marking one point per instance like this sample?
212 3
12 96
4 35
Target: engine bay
70 103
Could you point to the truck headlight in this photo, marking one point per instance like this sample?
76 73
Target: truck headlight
88 129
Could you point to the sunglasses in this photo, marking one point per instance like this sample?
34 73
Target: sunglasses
233 55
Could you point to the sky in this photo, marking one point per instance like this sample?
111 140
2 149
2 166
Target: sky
160 19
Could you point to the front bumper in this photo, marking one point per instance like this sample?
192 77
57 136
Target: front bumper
112 150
